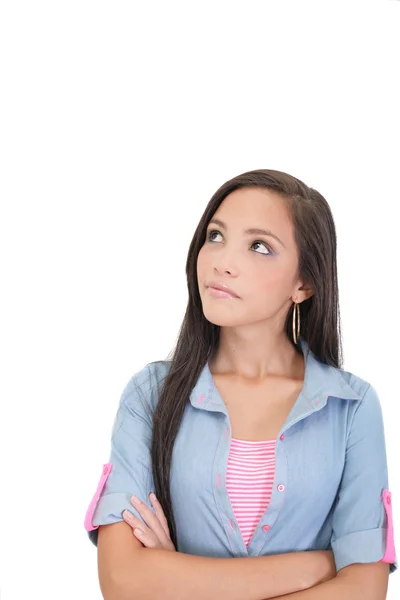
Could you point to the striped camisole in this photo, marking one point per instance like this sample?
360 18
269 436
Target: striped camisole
249 480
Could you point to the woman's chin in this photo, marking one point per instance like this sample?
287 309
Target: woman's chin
221 317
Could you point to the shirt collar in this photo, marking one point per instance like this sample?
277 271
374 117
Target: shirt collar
320 382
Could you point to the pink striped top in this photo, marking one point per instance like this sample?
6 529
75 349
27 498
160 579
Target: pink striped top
249 480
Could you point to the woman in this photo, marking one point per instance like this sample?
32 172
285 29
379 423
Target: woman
255 441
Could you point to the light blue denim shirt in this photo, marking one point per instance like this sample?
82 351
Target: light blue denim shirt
330 489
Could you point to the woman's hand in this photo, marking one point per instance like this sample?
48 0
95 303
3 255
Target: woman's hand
154 533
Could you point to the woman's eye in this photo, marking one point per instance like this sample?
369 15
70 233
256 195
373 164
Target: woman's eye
210 233
265 246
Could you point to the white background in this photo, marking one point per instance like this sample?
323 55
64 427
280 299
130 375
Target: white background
119 120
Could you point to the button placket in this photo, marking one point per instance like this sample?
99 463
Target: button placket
264 530
233 532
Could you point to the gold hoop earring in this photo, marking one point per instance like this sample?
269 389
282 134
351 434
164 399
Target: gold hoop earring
296 330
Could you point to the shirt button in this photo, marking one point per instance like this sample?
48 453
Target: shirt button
281 487
266 527
282 437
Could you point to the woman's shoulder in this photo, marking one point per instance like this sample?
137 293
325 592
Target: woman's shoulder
145 384
358 384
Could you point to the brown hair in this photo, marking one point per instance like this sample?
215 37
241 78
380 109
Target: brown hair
197 341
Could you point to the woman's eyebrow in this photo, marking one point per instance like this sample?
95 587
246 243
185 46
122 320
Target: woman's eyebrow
251 231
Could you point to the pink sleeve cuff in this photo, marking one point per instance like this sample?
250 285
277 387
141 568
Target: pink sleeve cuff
89 514
390 554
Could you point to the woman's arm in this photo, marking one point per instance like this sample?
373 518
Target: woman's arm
128 570
176 576
367 581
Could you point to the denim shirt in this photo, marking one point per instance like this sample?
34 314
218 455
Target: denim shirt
330 489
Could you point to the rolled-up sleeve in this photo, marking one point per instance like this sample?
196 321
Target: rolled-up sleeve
362 516
128 470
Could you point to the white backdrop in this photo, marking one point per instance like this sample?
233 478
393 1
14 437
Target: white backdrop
119 120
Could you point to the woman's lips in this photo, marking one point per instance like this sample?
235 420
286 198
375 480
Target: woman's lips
220 294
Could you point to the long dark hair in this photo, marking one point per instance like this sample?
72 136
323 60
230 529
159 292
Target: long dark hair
198 339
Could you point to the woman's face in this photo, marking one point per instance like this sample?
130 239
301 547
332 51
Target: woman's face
261 270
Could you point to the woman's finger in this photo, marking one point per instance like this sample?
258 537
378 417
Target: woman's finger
160 513
151 520
140 530
149 539
133 521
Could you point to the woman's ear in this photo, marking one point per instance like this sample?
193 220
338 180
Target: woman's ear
303 293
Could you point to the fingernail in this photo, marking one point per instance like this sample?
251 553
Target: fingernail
127 514
136 500
153 496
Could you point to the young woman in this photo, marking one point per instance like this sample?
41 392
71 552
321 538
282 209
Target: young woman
256 443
